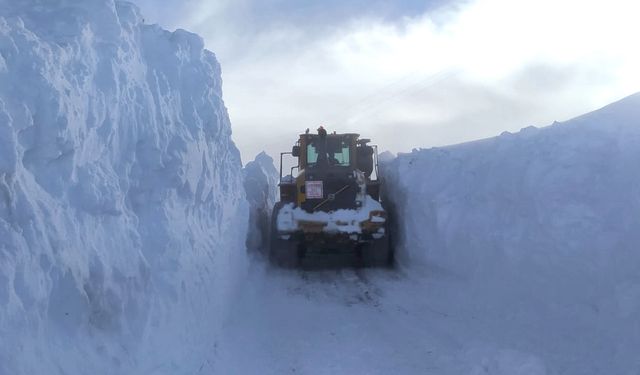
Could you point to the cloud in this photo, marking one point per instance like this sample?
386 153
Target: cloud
412 74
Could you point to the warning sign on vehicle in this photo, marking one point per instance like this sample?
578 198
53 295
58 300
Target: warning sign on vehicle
313 189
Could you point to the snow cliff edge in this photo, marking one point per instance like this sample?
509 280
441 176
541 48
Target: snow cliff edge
122 217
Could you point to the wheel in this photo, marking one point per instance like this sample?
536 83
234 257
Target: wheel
282 253
378 253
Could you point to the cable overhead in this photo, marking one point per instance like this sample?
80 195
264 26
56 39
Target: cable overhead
373 102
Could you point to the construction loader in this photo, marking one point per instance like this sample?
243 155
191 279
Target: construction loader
330 202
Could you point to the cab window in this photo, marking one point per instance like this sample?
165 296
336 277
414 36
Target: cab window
332 151
340 155
312 155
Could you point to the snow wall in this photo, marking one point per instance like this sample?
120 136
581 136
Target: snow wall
122 212
568 190
261 179
544 224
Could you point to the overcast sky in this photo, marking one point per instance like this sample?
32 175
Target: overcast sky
410 73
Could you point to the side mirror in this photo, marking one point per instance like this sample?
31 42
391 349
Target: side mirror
295 151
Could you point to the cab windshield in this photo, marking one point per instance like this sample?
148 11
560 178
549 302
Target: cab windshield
330 151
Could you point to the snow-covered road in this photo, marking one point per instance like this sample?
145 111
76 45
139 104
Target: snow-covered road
327 322
375 321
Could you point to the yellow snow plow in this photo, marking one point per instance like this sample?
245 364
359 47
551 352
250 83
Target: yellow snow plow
332 204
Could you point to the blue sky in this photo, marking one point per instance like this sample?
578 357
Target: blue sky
410 73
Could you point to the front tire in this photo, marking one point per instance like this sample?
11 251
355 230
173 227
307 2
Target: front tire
378 253
282 253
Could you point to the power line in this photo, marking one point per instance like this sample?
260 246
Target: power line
376 102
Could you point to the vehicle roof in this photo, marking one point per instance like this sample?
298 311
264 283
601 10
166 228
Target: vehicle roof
356 135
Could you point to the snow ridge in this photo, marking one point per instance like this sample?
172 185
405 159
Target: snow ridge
541 231
564 189
122 213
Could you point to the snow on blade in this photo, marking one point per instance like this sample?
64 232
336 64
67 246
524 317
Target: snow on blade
340 221
347 221
122 215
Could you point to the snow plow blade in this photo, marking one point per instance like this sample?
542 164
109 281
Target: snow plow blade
289 249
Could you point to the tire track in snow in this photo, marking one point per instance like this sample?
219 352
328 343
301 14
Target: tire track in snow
350 286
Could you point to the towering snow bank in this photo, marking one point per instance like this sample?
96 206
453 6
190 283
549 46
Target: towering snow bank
568 189
545 226
261 179
122 216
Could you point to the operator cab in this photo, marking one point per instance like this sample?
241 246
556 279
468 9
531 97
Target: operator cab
328 169
328 151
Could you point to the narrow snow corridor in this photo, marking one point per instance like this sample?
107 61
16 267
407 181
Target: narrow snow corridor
132 240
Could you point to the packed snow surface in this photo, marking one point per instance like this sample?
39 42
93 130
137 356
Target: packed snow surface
122 213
